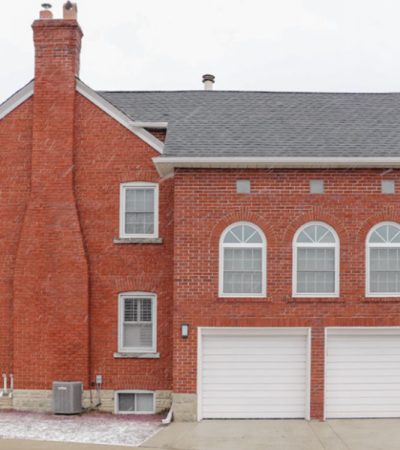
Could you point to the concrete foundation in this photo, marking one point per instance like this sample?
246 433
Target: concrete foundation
41 400
184 407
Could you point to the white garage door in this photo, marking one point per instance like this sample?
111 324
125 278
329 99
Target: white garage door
253 373
362 373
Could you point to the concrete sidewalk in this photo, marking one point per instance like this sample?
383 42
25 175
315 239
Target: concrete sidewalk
368 434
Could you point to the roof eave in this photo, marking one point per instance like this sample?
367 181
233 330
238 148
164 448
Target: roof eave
16 99
133 126
166 165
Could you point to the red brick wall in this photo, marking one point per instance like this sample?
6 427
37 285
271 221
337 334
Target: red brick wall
206 202
51 289
15 145
107 154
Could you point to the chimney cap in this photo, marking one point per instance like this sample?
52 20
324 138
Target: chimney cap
46 13
208 77
70 11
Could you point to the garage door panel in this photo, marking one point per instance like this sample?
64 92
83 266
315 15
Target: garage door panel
254 376
260 401
363 374
366 356
251 379
255 387
377 387
246 394
250 356
259 365
336 381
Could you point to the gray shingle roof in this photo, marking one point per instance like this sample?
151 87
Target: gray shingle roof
271 124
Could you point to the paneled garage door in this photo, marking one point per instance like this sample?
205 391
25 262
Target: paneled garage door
362 373
253 373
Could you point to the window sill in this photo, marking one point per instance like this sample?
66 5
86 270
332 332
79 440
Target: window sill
244 299
137 241
137 355
385 299
315 300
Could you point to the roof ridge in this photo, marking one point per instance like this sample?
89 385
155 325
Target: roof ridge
249 92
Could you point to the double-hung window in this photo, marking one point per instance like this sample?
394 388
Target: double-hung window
139 210
383 260
316 261
137 322
242 261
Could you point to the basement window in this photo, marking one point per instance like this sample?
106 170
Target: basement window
134 402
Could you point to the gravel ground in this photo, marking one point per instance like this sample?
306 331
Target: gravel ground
94 428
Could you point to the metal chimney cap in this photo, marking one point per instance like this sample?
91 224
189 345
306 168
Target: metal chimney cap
208 77
46 5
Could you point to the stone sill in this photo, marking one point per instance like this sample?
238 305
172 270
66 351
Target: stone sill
315 300
244 299
137 355
137 241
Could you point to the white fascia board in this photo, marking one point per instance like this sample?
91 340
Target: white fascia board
166 165
16 99
151 125
135 127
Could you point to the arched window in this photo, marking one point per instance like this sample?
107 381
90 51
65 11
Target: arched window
383 260
242 261
316 261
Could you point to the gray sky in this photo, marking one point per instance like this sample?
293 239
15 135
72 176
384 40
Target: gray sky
295 45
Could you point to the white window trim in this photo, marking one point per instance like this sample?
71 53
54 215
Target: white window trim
133 391
297 245
121 298
122 203
263 247
368 246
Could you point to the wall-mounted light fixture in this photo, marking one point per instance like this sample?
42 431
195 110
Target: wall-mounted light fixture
185 330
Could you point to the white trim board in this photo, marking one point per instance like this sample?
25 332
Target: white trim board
16 99
119 116
136 127
166 165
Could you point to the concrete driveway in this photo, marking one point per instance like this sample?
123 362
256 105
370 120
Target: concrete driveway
279 435
253 435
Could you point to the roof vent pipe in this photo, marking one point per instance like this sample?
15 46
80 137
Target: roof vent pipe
208 81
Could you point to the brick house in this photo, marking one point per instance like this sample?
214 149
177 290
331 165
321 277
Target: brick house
236 254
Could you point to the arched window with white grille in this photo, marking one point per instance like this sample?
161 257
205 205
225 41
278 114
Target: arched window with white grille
242 261
383 260
316 261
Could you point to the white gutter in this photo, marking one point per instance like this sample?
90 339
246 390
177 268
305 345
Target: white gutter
166 165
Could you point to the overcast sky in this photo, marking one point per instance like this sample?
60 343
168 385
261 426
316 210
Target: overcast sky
289 45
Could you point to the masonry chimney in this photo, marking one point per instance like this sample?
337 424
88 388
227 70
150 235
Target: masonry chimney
70 11
51 273
208 81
